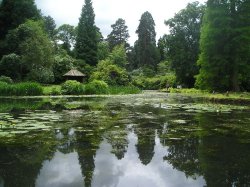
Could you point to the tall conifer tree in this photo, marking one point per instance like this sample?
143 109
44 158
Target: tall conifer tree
87 39
147 54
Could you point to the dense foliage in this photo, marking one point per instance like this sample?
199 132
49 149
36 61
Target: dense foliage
96 87
72 88
208 46
224 44
20 89
182 44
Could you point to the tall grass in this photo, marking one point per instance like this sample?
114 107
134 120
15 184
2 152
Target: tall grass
20 89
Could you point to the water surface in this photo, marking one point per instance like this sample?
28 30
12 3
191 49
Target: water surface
147 140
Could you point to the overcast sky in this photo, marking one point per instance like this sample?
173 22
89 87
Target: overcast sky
108 11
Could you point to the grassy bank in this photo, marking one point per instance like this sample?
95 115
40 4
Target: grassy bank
239 97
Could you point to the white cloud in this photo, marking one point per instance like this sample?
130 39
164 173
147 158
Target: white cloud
108 11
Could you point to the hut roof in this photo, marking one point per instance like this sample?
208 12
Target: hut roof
74 73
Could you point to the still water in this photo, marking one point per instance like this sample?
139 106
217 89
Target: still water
146 140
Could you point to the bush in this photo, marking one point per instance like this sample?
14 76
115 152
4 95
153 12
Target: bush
20 89
154 83
110 73
96 87
72 87
11 66
147 83
52 90
123 90
168 80
6 79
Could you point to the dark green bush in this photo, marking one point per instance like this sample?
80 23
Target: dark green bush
20 89
6 79
96 87
72 87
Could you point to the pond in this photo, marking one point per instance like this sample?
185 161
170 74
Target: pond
146 140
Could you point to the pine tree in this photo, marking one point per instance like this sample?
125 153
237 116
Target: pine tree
119 34
87 39
147 53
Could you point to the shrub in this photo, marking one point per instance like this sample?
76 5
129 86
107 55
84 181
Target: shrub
123 90
72 87
52 90
6 79
42 75
168 80
96 87
147 83
110 73
20 89
10 65
154 83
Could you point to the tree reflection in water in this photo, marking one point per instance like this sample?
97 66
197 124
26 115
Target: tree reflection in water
199 145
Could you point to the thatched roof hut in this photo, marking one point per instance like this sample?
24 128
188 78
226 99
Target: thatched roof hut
74 75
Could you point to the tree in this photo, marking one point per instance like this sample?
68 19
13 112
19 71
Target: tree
119 34
224 45
162 47
14 13
50 27
30 41
63 63
110 73
147 53
87 39
182 44
103 50
67 34
118 56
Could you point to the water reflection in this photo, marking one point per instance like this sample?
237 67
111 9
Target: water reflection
62 171
140 141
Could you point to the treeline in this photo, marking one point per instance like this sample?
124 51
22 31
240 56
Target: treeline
208 47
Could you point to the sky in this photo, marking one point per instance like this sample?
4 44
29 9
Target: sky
108 11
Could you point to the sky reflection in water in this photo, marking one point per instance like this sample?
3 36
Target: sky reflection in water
64 169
